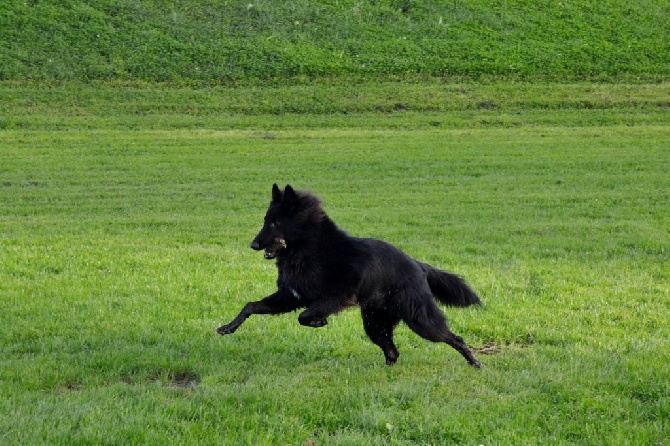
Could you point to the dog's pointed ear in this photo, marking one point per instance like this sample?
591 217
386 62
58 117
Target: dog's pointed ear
276 194
290 199
289 192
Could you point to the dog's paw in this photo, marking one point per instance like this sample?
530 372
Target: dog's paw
313 321
226 329
316 323
391 356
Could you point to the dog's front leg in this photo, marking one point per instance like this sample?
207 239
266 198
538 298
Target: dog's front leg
274 304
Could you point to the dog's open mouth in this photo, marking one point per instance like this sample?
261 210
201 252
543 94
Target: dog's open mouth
273 250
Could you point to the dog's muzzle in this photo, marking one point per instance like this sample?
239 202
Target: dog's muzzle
270 251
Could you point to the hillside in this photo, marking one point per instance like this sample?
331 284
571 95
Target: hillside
226 41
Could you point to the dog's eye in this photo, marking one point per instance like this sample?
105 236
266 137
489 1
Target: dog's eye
274 223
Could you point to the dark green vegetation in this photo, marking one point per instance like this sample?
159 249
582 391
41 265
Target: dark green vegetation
126 214
224 42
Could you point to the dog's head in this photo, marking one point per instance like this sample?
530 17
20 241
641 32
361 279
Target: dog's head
289 212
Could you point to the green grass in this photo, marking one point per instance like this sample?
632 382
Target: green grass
124 228
124 244
127 205
215 42
388 105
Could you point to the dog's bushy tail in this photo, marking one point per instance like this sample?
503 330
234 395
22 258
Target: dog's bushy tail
449 288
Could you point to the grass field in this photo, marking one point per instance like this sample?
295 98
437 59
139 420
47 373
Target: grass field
125 220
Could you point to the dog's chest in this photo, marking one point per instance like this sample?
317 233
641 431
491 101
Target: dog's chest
300 281
295 293
304 291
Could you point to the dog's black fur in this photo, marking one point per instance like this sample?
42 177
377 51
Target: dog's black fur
323 269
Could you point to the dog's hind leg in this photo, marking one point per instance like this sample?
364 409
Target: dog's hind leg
427 321
462 348
379 327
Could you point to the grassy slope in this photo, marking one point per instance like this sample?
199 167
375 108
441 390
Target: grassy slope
124 243
234 41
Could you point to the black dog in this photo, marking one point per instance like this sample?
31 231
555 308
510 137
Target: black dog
323 269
